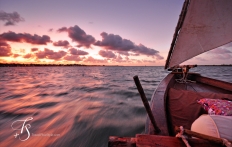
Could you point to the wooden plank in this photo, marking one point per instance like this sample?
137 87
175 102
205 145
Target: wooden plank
216 83
158 106
115 141
201 87
167 141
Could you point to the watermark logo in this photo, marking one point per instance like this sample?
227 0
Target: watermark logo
25 126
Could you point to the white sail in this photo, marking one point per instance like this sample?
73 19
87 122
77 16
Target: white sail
207 25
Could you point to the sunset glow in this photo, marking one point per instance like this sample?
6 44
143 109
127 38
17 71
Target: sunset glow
89 33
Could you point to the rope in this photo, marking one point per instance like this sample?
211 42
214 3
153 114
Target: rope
226 142
182 136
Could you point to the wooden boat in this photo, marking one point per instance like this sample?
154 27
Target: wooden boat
203 25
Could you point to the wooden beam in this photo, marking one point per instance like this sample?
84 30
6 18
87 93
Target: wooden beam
214 82
146 104
142 140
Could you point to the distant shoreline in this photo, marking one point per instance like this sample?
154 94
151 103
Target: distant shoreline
37 65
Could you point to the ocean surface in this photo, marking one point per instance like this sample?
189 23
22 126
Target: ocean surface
77 106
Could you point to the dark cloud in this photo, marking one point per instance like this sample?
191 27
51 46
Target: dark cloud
158 57
50 54
117 43
10 18
34 49
123 53
25 37
28 56
74 51
5 49
78 35
107 54
63 43
72 58
63 29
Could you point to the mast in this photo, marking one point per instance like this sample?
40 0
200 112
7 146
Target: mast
178 27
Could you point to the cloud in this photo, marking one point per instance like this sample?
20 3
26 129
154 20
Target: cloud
200 59
134 54
148 61
25 37
28 56
10 18
117 43
50 54
92 60
63 43
72 58
119 59
74 51
5 49
34 49
222 56
228 45
78 35
50 30
63 29
123 53
16 55
220 51
107 54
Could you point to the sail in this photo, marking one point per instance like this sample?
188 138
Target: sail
207 25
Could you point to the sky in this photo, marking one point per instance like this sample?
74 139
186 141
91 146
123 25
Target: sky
93 32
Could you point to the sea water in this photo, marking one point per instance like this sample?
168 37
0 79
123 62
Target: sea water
78 106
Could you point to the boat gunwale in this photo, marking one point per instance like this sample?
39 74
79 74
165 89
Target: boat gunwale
159 100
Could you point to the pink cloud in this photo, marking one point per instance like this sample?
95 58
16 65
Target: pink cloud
200 59
92 60
34 49
74 51
72 58
5 49
50 54
16 55
28 56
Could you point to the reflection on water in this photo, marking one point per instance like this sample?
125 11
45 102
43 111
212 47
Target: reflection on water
77 106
